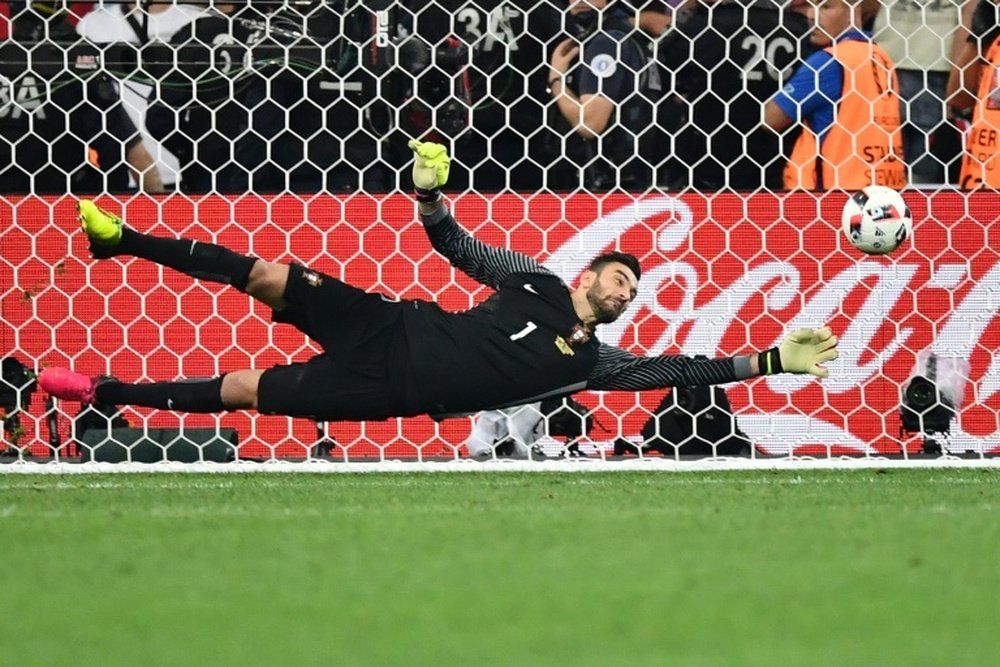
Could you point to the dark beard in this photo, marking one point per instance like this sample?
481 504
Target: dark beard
605 311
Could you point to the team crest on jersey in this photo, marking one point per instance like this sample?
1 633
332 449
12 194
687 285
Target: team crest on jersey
312 278
579 335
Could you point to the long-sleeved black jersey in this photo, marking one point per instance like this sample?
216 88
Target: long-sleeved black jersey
525 342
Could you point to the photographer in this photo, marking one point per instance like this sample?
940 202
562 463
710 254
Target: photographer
604 90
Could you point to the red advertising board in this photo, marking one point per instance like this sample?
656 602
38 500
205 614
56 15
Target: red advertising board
722 274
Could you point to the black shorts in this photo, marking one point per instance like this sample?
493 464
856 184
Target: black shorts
364 348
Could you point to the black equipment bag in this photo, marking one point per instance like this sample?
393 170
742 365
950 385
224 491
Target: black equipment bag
695 421
158 444
566 417
103 434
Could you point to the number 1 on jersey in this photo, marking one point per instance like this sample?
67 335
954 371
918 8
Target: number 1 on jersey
528 328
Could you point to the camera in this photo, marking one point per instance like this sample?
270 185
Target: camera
566 417
929 398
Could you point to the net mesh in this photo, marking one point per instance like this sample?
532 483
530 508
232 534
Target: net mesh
279 130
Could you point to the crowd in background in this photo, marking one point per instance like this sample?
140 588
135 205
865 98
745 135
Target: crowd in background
530 95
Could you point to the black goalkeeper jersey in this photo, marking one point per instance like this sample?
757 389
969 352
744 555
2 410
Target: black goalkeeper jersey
523 343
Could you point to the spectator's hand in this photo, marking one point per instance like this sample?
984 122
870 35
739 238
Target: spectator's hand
563 56
430 166
804 350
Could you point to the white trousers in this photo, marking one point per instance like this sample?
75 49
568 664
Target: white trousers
522 423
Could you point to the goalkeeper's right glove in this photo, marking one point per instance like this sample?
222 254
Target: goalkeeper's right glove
430 169
802 351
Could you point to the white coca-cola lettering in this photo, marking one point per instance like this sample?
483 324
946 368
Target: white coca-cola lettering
681 274
868 290
715 318
573 256
859 339
964 329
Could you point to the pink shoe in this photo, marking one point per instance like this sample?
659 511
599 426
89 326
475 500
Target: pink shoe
64 384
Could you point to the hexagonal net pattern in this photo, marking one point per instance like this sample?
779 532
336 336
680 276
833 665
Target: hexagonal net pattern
279 129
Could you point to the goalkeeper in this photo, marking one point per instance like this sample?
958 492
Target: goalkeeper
381 358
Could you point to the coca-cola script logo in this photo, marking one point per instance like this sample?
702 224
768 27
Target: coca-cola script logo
721 279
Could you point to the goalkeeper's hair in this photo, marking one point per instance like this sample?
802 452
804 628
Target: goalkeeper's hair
628 260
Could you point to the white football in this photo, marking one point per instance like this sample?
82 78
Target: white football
876 220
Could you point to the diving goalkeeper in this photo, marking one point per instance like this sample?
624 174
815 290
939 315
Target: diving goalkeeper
533 338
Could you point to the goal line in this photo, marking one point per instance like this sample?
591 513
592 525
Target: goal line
470 466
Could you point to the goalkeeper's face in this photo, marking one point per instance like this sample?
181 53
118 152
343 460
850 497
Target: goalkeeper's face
611 292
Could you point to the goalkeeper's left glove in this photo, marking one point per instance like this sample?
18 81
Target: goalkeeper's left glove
802 351
430 169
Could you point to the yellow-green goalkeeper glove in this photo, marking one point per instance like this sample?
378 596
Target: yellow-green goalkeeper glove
430 169
802 351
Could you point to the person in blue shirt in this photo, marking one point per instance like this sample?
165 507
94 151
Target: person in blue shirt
851 136
812 92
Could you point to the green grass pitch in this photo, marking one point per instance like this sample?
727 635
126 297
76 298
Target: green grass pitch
862 567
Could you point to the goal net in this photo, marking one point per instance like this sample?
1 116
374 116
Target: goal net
279 129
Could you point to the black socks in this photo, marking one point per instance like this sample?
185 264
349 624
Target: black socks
183 396
205 261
